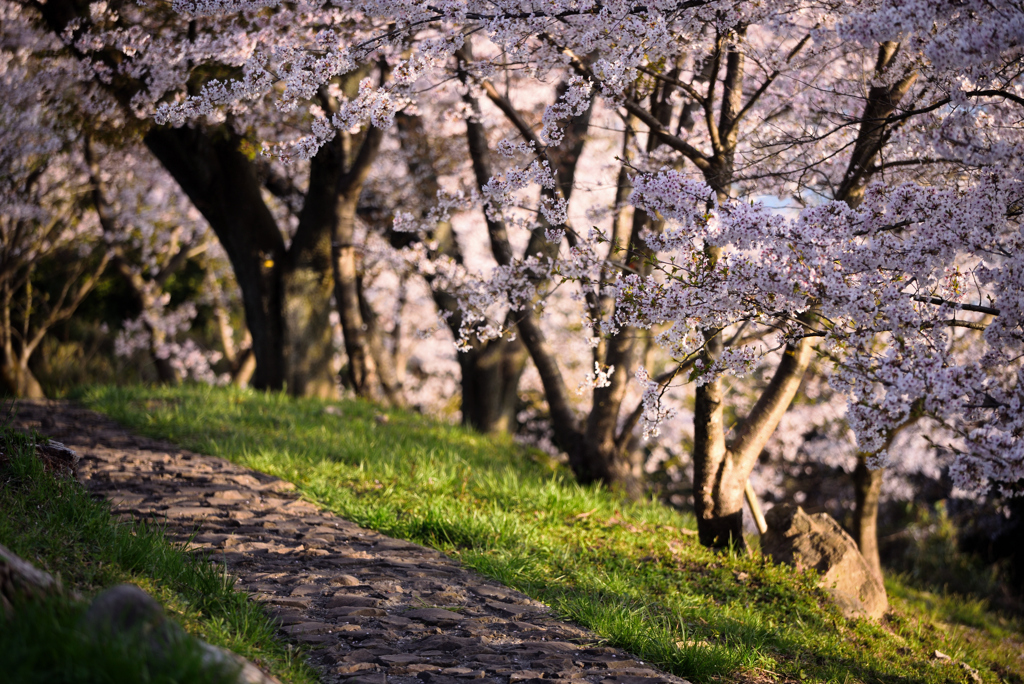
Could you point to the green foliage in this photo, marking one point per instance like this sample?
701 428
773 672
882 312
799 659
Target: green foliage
634 573
54 523
933 560
44 644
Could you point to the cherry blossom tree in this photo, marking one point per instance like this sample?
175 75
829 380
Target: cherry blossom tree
153 232
796 180
43 221
288 228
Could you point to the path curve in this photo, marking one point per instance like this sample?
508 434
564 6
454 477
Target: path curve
373 608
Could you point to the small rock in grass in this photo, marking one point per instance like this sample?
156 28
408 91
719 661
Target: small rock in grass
127 609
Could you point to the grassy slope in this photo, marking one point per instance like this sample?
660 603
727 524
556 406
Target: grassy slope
635 574
54 523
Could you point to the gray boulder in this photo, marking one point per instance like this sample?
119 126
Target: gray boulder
817 541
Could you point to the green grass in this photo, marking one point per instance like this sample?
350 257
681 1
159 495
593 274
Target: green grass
53 523
634 573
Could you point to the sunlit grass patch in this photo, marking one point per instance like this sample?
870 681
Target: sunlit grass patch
633 573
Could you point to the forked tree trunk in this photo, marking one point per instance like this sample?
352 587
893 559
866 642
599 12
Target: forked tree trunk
19 380
284 291
867 488
721 470
308 341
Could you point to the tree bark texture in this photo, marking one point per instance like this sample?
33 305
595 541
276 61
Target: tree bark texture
222 184
867 488
489 371
362 369
286 292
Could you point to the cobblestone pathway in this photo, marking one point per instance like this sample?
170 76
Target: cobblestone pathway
376 610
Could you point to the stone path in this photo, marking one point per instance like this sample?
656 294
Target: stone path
375 610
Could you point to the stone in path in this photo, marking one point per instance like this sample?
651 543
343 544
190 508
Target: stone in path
375 610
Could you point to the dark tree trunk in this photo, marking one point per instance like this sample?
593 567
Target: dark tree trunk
307 284
719 509
222 184
490 384
285 295
490 372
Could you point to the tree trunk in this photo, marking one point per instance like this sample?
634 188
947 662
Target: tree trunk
605 458
19 380
308 345
490 384
222 184
14 371
362 372
285 295
719 509
387 374
245 369
867 487
490 372
307 283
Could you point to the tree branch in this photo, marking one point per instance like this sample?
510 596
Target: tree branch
755 431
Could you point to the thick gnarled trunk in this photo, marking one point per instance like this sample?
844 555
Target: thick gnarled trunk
285 292
222 184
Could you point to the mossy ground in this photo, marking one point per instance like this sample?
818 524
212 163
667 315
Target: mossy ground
53 523
634 573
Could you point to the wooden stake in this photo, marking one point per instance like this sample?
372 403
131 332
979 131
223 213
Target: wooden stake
755 508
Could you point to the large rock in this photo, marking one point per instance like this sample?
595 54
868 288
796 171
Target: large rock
817 541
